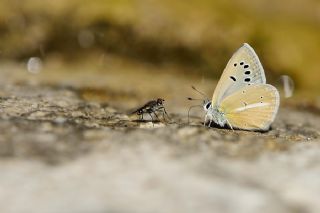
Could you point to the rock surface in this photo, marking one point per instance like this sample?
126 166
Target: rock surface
67 147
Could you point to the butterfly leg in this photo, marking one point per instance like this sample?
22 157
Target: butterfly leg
230 125
205 120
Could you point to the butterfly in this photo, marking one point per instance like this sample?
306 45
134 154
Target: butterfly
242 98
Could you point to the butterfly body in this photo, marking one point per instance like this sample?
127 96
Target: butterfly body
242 98
214 114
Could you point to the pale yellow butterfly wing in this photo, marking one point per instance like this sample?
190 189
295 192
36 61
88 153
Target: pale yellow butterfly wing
253 107
243 69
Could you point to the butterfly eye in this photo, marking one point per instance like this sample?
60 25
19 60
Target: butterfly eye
208 105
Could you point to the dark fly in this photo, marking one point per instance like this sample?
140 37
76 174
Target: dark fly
151 108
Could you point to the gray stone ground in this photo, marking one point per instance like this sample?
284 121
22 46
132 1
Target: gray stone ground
68 145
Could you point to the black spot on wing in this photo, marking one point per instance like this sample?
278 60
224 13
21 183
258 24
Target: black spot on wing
247 79
233 78
248 72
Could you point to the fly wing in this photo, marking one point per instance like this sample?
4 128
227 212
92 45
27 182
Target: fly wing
147 107
253 107
244 68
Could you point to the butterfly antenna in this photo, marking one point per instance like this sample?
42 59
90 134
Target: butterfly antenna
194 99
190 110
201 93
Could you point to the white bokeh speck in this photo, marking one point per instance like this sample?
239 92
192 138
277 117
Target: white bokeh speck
34 65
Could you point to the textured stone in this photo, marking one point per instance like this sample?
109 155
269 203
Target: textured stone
60 153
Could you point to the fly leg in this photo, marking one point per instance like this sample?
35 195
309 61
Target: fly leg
154 112
164 112
151 118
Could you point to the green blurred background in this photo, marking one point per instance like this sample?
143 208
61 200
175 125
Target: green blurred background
196 36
